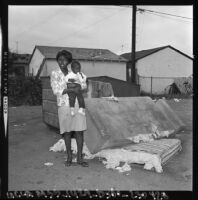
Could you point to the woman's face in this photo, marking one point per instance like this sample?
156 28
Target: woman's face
63 62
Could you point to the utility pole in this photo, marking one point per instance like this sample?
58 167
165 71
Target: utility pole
133 44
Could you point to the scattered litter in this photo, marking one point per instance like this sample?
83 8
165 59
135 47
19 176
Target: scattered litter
142 138
126 167
160 134
166 133
19 125
59 146
111 98
149 137
177 100
48 164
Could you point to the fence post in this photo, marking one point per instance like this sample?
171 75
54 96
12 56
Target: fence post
151 86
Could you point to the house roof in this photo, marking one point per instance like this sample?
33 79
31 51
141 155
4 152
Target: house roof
141 54
81 53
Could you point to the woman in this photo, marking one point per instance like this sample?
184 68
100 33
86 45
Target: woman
67 122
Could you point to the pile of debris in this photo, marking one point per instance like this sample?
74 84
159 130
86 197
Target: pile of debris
122 131
182 85
127 130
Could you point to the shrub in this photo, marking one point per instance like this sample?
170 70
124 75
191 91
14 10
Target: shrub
25 91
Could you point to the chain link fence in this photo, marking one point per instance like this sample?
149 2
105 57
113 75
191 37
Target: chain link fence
166 86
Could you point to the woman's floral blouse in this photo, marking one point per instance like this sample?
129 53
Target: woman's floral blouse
58 84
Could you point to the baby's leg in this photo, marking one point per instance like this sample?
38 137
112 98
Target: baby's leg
72 99
81 102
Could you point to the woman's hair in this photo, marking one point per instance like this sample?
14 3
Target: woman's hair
65 53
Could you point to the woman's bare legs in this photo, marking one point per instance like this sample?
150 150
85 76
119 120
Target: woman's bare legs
67 138
80 141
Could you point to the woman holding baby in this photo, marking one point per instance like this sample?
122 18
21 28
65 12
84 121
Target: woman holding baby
68 87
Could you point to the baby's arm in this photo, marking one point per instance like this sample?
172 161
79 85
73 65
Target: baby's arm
82 78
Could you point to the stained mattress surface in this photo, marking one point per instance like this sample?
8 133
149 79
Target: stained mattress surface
164 148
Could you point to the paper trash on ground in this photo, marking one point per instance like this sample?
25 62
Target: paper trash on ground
59 146
177 100
19 125
111 98
48 164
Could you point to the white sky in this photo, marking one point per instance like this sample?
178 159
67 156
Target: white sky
106 27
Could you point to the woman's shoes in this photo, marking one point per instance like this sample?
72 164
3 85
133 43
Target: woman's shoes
83 163
68 163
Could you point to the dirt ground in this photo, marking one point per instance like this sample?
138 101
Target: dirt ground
30 139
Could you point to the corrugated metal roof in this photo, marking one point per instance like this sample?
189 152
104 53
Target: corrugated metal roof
144 53
81 53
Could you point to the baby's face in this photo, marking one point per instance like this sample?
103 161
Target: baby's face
76 68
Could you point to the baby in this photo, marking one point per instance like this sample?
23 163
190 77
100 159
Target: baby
76 79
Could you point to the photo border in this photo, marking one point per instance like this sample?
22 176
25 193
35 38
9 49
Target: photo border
5 194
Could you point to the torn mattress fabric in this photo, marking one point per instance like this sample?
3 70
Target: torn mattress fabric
152 154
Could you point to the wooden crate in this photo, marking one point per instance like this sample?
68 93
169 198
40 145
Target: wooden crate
49 104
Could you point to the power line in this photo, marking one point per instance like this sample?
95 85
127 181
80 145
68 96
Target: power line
143 10
170 18
163 13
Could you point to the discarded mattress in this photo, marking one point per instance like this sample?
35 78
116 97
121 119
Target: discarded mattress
152 154
164 148
114 124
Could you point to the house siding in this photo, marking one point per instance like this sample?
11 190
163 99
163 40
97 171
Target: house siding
93 68
166 63
113 69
